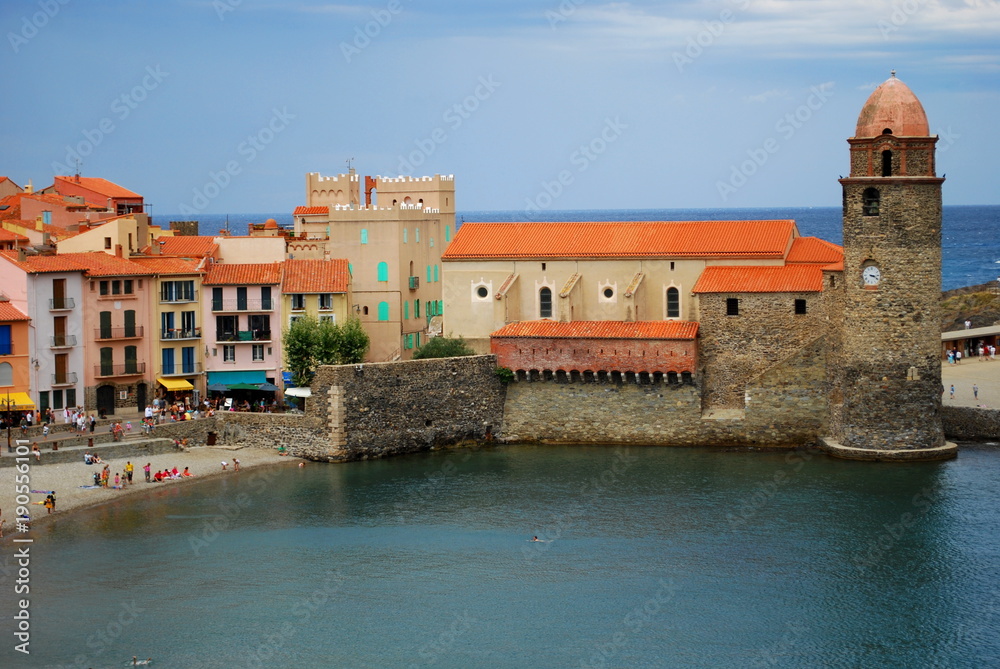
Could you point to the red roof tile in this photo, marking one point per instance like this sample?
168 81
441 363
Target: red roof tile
194 246
98 263
657 239
243 274
814 250
10 236
601 330
315 276
305 211
98 185
8 312
160 265
740 279
38 264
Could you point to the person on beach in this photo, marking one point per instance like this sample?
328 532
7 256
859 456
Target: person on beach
37 453
236 464
117 481
129 468
50 502
224 465
145 470
186 472
975 391
951 392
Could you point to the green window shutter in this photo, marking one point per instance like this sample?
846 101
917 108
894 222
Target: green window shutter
418 340
435 273
364 236
447 233
383 311
406 309
428 274
383 271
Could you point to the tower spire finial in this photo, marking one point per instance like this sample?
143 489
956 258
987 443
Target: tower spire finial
893 73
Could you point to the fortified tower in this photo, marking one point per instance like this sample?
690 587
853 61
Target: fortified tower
886 399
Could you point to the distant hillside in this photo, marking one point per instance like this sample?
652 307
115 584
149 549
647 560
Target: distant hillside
979 304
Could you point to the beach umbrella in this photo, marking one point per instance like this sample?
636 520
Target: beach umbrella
218 388
270 387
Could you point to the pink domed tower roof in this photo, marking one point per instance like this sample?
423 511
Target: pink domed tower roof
892 109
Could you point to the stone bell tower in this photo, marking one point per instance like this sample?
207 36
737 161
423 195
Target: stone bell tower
886 378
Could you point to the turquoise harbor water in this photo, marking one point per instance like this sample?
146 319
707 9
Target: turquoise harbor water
652 557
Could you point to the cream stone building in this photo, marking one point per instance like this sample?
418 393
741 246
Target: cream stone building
392 233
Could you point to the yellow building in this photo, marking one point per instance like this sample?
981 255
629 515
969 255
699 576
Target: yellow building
317 288
178 348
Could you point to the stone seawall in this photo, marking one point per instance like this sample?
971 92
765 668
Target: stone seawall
971 424
134 449
380 409
785 407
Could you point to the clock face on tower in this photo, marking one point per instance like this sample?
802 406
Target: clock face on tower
871 275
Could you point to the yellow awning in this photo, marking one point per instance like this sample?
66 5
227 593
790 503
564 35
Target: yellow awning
16 401
175 384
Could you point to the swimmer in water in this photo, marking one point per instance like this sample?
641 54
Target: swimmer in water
535 538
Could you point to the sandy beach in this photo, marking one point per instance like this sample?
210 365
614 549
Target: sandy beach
66 478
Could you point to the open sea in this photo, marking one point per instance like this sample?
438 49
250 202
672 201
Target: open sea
647 557
970 244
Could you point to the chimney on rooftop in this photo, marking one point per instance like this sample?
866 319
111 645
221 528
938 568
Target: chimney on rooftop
118 250
20 254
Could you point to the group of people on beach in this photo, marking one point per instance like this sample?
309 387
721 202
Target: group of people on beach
168 474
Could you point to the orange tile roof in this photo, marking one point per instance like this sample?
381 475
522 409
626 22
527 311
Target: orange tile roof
315 276
814 250
160 265
38 264
192 246
8 312
740 279
99 186
98 263
656 239
11 236
243 274
601 330
305 211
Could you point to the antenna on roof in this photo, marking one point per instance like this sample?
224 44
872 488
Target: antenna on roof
78 163
227 224
350 170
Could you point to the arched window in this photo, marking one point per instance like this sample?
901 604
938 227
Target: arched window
364 236
383 271
383 311
364 310
545 303
887 163
673 303
6 374
870 201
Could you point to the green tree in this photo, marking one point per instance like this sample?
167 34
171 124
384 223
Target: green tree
443 347
300 341
310 343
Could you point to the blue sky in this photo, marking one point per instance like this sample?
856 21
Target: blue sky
222 106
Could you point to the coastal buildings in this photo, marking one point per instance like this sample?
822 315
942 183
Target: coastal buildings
316 288
15 370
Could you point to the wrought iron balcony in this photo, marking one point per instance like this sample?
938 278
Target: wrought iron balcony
242 305
62 341
128 369
244 336
62 303
178 333
64 379
134 332
181 369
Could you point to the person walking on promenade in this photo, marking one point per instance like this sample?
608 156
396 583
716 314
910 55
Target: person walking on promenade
951 392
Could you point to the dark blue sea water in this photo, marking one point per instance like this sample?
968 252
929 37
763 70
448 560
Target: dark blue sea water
651 557
970 245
